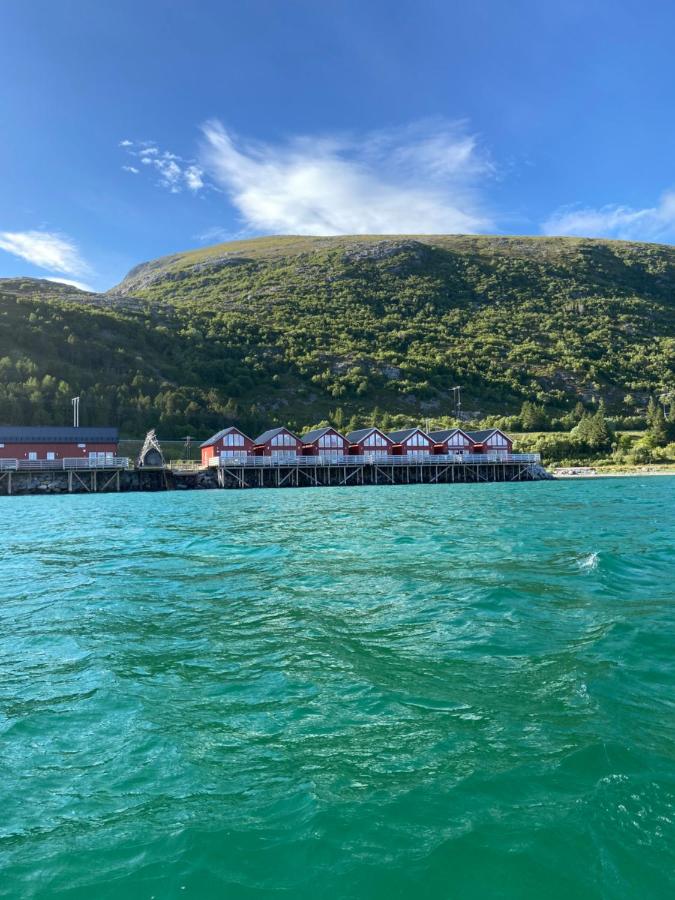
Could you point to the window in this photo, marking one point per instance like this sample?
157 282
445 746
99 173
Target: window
51 454
417 440
375 440
233 440
283 440
32 455
331 440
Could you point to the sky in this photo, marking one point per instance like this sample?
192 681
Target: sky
132 130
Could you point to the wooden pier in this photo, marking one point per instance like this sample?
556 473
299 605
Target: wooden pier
264 472
312 472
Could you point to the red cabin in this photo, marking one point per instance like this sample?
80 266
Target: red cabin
491 440
324 442
369 442
226 444
279 443
57 443
452 441
411 442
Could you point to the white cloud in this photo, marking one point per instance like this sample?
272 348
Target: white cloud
194 178
422 180
45 249
175 173
69 281
655 223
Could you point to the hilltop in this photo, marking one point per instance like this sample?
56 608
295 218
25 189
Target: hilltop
302 329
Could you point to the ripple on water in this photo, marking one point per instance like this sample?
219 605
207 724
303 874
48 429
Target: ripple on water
437 691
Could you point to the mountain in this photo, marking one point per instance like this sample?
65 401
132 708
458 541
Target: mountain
302 329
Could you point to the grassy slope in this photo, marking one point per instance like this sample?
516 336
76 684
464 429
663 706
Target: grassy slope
291 328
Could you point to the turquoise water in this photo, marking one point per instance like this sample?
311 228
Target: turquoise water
435 692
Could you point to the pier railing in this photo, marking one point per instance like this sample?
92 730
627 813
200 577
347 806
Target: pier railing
183 465
374 459
51 465
114 462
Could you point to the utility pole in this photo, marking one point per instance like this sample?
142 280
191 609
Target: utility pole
76 411
187 446
457 397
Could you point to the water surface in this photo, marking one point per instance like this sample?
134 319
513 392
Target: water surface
441 691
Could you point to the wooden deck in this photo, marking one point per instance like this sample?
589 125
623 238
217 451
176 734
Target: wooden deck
307 471
93 477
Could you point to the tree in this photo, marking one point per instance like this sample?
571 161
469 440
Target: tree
337 417
658 432
533 416
593 431
652 411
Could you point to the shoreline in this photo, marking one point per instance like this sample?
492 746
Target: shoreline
590 476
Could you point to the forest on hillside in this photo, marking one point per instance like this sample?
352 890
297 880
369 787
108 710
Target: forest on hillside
349 331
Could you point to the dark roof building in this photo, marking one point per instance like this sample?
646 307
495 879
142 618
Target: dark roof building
56 434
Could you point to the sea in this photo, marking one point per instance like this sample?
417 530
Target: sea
430 691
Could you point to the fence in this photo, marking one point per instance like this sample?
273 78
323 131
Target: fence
51 465
373 459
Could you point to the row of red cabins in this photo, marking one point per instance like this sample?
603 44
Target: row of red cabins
96 444
367 442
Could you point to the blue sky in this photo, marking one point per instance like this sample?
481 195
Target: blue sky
137 129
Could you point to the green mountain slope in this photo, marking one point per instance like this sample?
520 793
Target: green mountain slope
294 329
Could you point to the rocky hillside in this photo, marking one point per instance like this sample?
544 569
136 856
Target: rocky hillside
303 329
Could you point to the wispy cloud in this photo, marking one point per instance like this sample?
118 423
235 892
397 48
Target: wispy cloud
216 234
69 281
175 173
654 223
45 249
422 179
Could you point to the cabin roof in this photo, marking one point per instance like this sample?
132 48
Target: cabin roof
480 436
273 432
220 434
404 433
311 436
355 436
59 434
